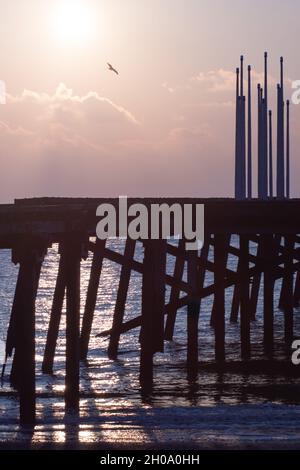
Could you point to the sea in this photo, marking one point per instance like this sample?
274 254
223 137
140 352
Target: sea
229 409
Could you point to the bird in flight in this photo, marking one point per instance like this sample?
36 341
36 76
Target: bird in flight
110 67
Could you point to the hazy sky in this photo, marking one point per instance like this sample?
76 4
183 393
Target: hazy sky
165 126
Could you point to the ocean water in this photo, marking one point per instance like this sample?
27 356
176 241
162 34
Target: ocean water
218 409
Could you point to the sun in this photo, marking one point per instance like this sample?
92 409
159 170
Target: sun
72 22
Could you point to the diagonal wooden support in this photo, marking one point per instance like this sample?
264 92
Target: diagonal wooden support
175 293
121 299
55 317
91 297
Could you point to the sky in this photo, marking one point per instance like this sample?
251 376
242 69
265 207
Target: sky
165 125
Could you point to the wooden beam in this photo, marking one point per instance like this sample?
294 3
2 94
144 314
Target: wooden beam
268 252
55 318
153 305
121 299
72 252
30 256
91 298
244 297
193 310
175 294
289 243
219 321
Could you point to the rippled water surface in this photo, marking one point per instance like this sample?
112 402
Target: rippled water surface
228 405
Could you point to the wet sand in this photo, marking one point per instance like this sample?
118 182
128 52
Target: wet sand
199 428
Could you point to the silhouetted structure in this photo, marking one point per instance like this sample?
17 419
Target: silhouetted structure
270 156
264 140
240 147
249 138
288 149
29 227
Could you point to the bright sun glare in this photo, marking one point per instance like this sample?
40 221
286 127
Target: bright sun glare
73 22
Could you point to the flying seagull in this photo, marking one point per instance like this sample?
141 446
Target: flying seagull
110 67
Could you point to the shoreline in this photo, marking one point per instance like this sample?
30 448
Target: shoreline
230 427
163 446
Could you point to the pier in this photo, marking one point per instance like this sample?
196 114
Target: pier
29 227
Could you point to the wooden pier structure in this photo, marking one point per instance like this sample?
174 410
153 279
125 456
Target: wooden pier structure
30 227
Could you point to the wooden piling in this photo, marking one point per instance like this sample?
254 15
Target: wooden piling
153 304
297 290
284 300
91 297
244 295
12 333
27 344
289 243
72 252
193 310
175 291
256 282
202 262
15 332
236 298
30 256
226 248
219 321
268 261
55 317
15 377
121 299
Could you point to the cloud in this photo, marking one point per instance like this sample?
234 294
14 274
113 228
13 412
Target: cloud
57 143
189 133
221 80
169 88
216 80
65 116
225 80
64 143
212 81
17 131
64 96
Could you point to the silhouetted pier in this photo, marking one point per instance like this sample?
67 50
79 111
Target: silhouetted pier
30 227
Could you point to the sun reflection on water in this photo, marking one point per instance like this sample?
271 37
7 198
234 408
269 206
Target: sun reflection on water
111 406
